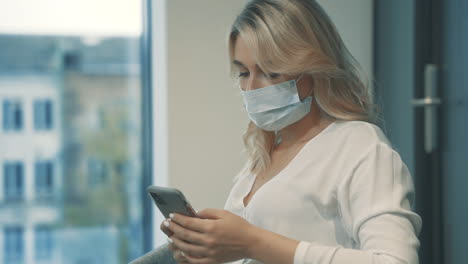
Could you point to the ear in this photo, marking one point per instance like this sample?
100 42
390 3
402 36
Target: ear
305 86
310 84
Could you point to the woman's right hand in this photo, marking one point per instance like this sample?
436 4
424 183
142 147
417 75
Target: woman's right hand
165 229
176 252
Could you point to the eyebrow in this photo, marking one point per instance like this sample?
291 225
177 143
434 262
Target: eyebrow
236 62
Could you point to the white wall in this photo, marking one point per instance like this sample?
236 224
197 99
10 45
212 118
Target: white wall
198 114
206 119
355 22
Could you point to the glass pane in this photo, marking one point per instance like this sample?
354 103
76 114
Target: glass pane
43 243
70 104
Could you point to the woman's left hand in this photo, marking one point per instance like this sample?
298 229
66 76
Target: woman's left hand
219 236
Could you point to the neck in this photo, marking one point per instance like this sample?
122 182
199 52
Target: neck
303 130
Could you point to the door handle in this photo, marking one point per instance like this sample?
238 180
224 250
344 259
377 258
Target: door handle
430 103
426 102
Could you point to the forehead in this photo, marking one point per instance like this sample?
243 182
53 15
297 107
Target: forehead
243 54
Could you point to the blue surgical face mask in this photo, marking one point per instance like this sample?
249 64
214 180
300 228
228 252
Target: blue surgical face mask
277 106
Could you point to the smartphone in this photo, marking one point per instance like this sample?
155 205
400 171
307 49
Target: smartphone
170 200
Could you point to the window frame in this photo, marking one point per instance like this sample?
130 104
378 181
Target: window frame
43 114
11 108
146 45
13 180
43 242
18 238
43 171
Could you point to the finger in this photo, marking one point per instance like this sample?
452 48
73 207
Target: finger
188 249
210 213
186 234
173 248
165 229
171 245
192 223
195 260
179 256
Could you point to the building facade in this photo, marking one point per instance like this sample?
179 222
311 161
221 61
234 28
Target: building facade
31 204
69 158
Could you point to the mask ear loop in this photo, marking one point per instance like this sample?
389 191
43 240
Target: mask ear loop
298 81
310 94
299 78
278 138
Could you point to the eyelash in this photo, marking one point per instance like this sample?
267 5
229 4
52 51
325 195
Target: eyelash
270 76
243 74
273 75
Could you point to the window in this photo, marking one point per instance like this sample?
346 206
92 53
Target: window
12 115
43 243
44 177
43 114
13 245
82 79
97 172
13 181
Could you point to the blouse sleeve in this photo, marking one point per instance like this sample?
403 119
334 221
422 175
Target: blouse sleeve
375 204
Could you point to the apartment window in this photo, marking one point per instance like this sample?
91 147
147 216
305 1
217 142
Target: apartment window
13 173
43 114
43 243
13 245
44 177
12 115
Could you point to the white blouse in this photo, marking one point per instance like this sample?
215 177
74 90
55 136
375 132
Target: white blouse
346 196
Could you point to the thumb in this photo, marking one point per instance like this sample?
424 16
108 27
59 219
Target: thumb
210 213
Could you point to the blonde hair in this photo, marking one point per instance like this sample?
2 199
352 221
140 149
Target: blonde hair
297 36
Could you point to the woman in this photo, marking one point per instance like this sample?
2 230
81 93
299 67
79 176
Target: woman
322 184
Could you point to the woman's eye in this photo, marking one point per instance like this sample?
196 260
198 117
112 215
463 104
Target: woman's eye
243 74
272 75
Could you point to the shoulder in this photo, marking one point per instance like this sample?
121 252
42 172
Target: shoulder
369 158
353 141
367 152
358 134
